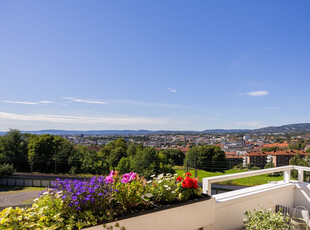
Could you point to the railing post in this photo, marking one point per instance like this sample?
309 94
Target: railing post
287 175
206 186
300 175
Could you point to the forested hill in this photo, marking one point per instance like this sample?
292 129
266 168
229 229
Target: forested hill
292 128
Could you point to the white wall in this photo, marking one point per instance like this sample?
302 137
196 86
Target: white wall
229 214
302 195
186 217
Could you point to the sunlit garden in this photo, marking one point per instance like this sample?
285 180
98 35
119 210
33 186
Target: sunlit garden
74 204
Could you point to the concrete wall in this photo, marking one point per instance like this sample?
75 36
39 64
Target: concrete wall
25 182
229 213
186 217
302 195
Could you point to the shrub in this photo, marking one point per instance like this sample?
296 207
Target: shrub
265 220
6 169
74 204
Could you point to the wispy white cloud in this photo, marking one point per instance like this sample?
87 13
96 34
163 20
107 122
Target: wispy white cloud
84 100
46 102
22 102
255 93
271 108
83 119
172 90
146 104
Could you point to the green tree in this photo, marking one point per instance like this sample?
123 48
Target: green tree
14 150
124 165
296 160
176 155
207 157
269 165
46 151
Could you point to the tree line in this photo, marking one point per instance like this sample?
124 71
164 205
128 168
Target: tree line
54 154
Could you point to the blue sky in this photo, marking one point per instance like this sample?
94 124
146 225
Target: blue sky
173 65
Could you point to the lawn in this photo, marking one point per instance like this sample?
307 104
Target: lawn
6 190
248 181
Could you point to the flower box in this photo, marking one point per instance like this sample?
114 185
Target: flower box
188 215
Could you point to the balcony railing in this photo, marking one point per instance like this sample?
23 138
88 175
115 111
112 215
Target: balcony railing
206 182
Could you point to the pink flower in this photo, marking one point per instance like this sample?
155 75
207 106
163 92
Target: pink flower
132 175
109 179
126 178
112 173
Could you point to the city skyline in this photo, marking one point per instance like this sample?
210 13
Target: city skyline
160 65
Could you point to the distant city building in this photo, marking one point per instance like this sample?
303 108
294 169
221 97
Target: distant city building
278 158
233 159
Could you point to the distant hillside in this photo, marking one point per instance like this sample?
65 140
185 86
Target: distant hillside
226 130
106 132
292 128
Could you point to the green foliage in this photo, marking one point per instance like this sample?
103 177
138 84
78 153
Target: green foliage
300 145
124 165
44 213
6 169
269 165
163 189
250 165
13 149
46 152
175 155
76 204
271 149
128 196
296 160
54 154
265 220
239 166
207 157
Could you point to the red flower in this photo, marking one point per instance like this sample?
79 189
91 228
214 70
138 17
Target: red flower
179 179
188 174
190 183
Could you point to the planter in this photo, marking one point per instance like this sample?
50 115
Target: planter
188 216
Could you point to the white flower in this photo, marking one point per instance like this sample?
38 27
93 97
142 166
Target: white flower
148 195
166 186
149 181
159 181
152 175
35 199
172 192
45 193
160 176
175 174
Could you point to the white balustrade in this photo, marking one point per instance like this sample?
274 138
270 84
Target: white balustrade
206 182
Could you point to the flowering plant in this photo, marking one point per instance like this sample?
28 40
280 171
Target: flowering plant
74 204
188 187
162 189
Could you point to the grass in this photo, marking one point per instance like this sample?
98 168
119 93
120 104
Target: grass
248 181
6 190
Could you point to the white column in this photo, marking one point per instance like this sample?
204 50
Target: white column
300 175
206 186
287 176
